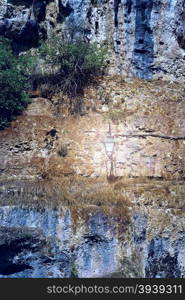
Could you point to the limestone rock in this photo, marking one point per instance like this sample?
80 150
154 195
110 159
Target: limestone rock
146 120
45 240
145 38
180 29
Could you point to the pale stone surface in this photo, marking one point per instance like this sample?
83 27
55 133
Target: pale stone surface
60 210
147 124
145 38
58 240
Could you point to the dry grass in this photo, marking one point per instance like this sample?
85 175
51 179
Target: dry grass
83 195
145 98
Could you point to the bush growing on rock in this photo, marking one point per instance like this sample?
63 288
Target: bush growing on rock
73 64
14 79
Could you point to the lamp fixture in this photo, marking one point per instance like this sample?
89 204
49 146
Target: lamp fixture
109 144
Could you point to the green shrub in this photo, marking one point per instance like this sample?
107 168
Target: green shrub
74 64
13 83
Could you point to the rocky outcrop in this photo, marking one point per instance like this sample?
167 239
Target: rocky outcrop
38 240
26 23
70 208
180 29
145 38
146 121
71 204
63 252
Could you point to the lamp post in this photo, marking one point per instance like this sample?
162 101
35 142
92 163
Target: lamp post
109 148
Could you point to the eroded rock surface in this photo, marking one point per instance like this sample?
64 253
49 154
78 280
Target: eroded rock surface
69 207
145 38
73 210
146 121
127 230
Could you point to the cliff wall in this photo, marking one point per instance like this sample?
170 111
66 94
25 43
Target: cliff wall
71 205
145 38
68 208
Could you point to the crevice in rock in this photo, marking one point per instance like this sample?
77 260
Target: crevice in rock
143 55
96 27
7 266
116 9
160 264
14 242
91 239
26 3
52 132
64 11
180 28
155 177
129 6
39 11
144 136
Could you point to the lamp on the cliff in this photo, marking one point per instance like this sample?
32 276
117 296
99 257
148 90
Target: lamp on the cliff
109 144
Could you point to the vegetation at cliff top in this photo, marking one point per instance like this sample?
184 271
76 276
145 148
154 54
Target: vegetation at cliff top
14 79
71 66
74 64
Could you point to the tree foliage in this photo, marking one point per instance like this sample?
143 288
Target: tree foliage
14 72
74 64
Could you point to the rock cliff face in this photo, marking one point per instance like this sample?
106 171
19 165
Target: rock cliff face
146 38
68 208
71 205
93 241
147 126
